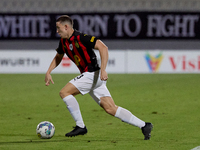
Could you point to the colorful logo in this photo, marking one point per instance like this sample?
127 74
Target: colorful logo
154 62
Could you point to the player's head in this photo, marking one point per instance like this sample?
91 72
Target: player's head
64 25
65 19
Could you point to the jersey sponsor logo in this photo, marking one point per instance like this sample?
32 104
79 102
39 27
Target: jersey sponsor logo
154 62
76 44
77 60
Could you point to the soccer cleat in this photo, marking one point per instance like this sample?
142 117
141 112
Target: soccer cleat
146 130
77 131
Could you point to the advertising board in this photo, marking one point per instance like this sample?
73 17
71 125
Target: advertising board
120 61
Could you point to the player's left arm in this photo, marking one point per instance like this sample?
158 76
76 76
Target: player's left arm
103 51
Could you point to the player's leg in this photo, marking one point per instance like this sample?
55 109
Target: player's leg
102 96
80 84
125 115
68 89
67 94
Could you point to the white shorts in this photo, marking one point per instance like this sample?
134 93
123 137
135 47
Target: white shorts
90 82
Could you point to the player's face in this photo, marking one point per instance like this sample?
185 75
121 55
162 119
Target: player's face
61 30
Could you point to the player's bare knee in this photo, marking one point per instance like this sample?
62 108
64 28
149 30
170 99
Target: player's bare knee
63 94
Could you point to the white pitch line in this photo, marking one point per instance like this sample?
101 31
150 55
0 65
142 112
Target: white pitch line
196 148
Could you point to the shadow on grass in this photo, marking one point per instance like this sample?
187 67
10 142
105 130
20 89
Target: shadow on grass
43 141
37 140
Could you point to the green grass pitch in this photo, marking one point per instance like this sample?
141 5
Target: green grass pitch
170 101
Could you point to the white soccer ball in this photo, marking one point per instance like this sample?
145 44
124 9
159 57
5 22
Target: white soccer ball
45 130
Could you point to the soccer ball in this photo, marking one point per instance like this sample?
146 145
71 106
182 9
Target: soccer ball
45 130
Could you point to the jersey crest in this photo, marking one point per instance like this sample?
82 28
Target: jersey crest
71 47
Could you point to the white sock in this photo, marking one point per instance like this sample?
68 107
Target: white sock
128 117
73 107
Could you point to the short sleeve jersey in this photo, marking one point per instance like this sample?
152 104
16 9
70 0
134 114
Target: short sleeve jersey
79 48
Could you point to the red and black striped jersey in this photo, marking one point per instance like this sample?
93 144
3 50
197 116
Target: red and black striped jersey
79 48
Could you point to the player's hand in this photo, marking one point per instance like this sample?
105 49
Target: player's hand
48 79
104 75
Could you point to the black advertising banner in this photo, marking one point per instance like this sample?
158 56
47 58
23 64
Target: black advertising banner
131 25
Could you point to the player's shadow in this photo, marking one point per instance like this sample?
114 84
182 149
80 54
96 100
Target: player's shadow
46 141
34 140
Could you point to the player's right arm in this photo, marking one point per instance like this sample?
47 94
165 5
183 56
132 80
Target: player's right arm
55 62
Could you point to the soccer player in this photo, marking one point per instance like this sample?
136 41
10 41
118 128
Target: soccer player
79 48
